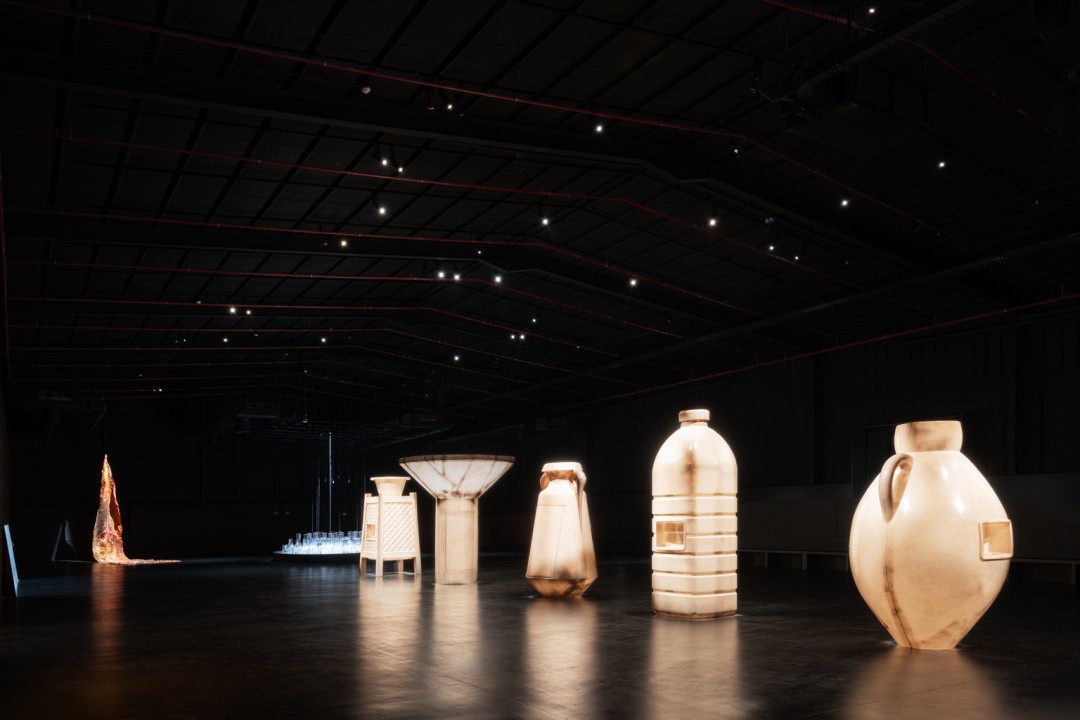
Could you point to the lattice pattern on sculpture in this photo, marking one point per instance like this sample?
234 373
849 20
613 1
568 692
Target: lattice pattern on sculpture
391 530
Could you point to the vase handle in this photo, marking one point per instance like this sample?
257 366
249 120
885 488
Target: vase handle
891 484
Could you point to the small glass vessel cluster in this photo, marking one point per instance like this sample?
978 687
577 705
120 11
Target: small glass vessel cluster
323 543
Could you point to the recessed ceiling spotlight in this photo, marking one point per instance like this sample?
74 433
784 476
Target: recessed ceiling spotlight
385 162
457 276
232 311
712 222
543 221
457 358
498 278
521 336
844 202
365 90
772 248
941 163
442 273
599 127
225 340
479 252
248 311
382 209
400 169
633 282
344 243
513 336
796 258
534 319
322 339
871 10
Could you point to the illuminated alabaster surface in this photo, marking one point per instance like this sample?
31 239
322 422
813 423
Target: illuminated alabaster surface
562 562
456 482
694 486
108 543
930 542
391 529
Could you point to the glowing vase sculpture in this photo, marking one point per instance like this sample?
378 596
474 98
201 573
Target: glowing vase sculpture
391 531
930 542
562 562
108 543
694 484
456 482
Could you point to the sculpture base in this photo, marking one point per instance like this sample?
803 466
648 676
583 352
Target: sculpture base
456 547
551 588
694 607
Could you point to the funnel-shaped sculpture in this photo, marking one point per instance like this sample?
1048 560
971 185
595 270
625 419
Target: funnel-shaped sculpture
456 482
562 562
108 532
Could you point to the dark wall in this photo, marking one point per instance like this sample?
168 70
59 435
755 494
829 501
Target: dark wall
5 512
808 435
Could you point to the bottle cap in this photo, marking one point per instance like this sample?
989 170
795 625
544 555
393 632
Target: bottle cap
694 416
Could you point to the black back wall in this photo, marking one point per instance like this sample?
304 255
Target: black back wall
809 435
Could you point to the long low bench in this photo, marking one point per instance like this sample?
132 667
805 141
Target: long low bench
1023 569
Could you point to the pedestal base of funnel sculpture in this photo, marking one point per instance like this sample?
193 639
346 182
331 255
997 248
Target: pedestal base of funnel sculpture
456 547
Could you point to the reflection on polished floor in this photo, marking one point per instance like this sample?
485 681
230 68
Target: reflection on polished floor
251 639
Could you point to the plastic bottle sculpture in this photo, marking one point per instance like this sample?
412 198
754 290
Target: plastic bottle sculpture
562 562
930 542
108 544
694 484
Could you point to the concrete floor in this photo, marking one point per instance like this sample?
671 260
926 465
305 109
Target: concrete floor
254 639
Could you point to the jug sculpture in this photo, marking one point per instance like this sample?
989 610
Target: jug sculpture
391 530
562 562
694 485
930 542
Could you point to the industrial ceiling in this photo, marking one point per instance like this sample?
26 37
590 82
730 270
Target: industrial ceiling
394 219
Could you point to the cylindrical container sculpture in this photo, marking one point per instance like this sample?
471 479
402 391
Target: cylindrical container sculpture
930 542
456 482
562 562
694 484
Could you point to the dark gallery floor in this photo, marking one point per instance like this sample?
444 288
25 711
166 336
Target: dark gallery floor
248 638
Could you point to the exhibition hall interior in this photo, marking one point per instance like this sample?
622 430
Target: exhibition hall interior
539 359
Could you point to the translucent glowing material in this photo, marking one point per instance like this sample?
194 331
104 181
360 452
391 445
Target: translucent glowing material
694 484
456 482
930 542
108 532
391 529
108 543
321 543
562 562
